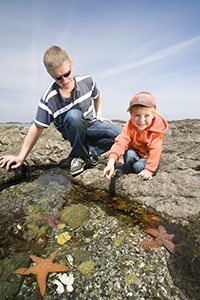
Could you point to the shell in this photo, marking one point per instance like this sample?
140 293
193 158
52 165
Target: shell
70 260
67 280
60 288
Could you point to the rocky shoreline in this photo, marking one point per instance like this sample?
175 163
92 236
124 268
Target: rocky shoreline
173 192
109 241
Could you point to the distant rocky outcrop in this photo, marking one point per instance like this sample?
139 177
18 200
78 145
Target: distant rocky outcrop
174 191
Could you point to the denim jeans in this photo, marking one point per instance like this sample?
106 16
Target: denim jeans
133 162
85 137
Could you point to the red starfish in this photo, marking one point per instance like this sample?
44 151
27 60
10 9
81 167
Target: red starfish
41 269
53 220
166 238
161 237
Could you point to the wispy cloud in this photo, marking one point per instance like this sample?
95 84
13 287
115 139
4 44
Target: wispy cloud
166 52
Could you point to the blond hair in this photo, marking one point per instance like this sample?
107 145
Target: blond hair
152 109
54 57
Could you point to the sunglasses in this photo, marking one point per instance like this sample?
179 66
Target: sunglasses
64 75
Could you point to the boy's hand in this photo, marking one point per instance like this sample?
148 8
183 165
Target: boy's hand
10 159
145 174
109 169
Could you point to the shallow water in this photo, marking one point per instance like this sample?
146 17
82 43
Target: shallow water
110 237
17 124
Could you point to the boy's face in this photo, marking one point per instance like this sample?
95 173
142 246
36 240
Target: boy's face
141 117
66 81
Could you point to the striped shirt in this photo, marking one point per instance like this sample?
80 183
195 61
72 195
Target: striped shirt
53 106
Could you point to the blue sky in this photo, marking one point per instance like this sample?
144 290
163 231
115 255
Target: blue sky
128 46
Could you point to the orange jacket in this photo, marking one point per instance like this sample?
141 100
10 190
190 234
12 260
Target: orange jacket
147 143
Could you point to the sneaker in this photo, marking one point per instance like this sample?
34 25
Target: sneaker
77 166
92 161
65 163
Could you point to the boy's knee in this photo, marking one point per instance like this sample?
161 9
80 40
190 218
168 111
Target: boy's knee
140 165
131 156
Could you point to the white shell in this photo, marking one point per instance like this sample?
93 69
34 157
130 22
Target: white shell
70 259
67 280
60 287
69 288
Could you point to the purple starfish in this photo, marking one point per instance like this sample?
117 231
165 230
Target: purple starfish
53 220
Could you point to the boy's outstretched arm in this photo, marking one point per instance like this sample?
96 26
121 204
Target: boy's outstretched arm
109 169
30 140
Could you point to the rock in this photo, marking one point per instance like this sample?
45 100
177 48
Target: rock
173 192
130 278
185 268
12 174
86 267
75 215
50 149
118 241
81 256
6 218
63 238
10 283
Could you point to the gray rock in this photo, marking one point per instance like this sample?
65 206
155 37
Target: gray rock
12 174
50 149
173 192
10 283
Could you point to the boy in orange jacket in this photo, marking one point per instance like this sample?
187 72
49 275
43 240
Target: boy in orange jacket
141 139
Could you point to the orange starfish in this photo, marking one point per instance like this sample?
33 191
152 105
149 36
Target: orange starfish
41 269
161 237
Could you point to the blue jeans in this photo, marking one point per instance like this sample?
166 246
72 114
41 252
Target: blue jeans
133 162
85 137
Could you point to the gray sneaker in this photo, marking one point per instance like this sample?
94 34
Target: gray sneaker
66 162
77 166
92 161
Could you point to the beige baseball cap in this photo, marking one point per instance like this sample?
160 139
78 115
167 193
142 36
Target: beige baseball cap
143 98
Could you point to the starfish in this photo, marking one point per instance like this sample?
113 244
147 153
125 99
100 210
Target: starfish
20 214
41 269
53 220
161 237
